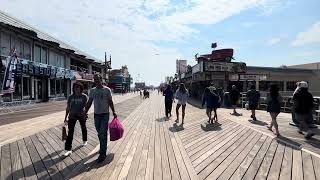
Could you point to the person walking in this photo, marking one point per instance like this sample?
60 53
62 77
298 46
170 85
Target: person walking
211 99
182 97
168 94
102 98
234 98
274 100
76 112
253 97
303 105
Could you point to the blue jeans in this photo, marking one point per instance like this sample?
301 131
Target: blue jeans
101 124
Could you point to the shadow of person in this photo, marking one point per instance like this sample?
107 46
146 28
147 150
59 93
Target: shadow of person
289 142
236 114
257 122
163 119
176 127
211 127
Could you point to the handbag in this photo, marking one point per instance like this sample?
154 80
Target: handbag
64 133
116 130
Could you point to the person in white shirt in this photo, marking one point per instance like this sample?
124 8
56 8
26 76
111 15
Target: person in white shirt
182 97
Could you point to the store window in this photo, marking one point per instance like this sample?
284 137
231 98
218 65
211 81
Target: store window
58 87
27 50
44 55
37 53
291 86
26 87
17 95
52 87
5 44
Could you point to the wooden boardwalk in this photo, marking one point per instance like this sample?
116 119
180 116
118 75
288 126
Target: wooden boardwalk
157 148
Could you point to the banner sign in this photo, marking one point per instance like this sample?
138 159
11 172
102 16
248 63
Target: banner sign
10 74
224 67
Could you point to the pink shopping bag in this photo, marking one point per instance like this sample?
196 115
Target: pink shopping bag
116 129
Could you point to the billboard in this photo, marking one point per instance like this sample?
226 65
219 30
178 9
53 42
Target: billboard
181 66
210 66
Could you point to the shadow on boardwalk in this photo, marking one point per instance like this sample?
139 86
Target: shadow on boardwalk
211 127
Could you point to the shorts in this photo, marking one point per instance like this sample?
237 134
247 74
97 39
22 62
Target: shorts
253 106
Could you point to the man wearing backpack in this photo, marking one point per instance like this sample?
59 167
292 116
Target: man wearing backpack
102 98
253 97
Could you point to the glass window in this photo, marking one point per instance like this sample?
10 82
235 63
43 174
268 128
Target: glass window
19 48
52 58
37 53
27 50
52 87
58 89
291 86
63 87
5 44
17 95
26 87
44 55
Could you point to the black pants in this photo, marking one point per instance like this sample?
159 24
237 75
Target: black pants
168 107
71 125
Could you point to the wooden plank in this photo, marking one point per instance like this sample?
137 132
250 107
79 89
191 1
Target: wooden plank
118 147
243 162
286 166
274 171
53 171
150 160
266 163
192 173
58 161
128 161
255 164
316 166
123 150
28 168
220 163
207 144
58 148
133 171
208 136
164 154
17 169
157 153
182 168
308 170
5 162
201 162
38 165
297 173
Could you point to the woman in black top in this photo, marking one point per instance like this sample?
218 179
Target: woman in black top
274 100
75 109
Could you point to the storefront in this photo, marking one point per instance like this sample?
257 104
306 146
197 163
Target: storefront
38 82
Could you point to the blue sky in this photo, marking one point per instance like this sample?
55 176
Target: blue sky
262 32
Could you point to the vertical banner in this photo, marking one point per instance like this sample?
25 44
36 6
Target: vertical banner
10 73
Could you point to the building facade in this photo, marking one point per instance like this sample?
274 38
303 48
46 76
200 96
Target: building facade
120 80
46 67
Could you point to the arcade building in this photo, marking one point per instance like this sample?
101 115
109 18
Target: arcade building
46 68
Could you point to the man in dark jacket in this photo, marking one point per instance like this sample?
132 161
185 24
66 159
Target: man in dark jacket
234 98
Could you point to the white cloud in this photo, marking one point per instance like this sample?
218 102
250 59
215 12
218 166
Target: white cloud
311 35
273 41
307 54
128 29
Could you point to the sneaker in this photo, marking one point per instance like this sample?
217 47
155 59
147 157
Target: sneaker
251 116
309 135
300 132
85 143
67 153
101 159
